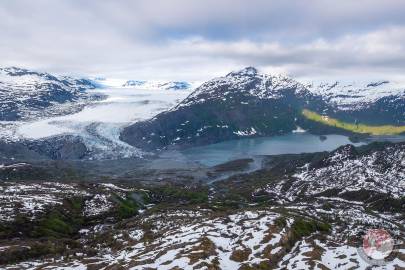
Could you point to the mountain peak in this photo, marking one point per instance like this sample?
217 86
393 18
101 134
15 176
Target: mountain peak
247 71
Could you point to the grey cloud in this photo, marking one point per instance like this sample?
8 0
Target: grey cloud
199 39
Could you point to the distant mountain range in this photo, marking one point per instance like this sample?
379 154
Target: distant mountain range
26 94
241 104
158 85
306 210
246 103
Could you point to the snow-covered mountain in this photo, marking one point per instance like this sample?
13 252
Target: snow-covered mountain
356 95
374 102
247 103
247 82
26 94
299 211
243 103
159 85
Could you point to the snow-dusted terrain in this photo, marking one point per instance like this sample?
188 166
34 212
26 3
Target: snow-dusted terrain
37 106
247 103
202 239
307 211
33 199
345 172
303 211
342 94
27 95
356 95
247 81
98 123
382 171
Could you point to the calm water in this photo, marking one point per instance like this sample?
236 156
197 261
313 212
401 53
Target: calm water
214 154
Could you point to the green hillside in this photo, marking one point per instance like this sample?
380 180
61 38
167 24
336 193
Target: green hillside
357 128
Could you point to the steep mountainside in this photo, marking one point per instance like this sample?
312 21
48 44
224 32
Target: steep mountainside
243 103
374 174
26 94
246 103
381 102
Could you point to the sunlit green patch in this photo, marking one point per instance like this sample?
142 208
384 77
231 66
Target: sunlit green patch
356 128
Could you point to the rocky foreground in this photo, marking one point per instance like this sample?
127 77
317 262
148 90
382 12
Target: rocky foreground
306 211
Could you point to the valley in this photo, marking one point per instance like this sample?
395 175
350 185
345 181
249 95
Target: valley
244 172
279 217
202 135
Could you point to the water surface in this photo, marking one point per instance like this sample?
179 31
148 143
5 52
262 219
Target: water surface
295 143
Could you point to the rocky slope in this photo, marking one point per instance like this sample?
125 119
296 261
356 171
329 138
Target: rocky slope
64 147
307 211
246 103
380 102
372 174
26 94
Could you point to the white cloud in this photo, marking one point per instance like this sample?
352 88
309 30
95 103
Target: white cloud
200 39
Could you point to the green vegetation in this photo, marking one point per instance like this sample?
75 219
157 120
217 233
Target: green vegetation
54 226
127 207
356 128
176 194
61 222
302 227
281 222
382 203
35 250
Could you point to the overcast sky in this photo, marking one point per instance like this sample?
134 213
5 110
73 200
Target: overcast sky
200 39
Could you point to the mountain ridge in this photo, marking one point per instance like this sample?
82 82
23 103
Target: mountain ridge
159 85
247 103
27 94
